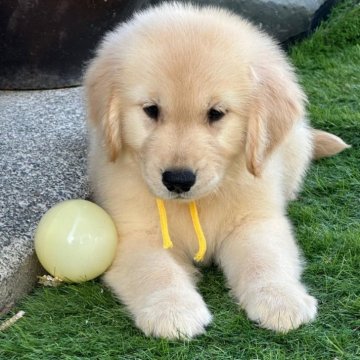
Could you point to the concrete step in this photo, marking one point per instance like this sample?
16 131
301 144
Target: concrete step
42 162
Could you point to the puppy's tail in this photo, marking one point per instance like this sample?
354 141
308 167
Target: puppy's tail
326 144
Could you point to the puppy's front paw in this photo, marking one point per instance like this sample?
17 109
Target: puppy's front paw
279 307
173 314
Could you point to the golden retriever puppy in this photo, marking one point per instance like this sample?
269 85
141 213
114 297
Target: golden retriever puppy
188 104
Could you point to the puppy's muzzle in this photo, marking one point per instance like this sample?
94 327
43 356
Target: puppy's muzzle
178 180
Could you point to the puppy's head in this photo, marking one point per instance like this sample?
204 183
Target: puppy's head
191 93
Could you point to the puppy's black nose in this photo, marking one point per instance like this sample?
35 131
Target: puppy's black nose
178 180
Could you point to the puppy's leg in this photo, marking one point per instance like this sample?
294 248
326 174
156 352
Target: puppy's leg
297 156
158 291
262 265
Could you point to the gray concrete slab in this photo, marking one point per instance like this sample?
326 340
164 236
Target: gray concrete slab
42 162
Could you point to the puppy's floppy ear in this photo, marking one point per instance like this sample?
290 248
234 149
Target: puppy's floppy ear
103 103
276 104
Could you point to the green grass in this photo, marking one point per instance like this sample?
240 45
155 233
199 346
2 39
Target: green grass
85 322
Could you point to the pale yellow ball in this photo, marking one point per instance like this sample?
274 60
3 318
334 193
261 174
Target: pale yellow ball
76 240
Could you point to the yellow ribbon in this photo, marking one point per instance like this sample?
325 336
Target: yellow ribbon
167 243
198 231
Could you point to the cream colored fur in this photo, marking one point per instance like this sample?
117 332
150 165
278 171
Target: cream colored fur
248 165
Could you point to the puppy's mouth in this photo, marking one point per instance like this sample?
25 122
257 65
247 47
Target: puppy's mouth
192 195
181 197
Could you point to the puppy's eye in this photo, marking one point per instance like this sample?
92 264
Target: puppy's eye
152 111
214 115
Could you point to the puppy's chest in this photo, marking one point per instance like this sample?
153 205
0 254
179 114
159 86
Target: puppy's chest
183 233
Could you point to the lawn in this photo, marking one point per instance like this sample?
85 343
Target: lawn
86 322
